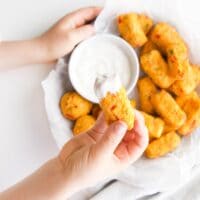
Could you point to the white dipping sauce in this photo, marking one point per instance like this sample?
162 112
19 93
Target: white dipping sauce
99 56
105 84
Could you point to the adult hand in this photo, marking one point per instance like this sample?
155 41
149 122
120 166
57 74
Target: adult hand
102 151
84 161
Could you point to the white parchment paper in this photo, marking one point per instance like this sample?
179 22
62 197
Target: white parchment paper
144 177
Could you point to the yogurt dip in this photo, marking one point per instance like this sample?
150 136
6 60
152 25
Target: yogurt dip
102 55
105 84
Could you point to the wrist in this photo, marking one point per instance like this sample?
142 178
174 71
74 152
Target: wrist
48 183
41 51
62 180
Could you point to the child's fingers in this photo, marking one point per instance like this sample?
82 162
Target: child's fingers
99 128
80 17
79 34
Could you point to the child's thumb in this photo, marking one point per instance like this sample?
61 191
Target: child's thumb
112 137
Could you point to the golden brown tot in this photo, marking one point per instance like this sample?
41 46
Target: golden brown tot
118 107
146 88
166 106
130 29
163 145
155 66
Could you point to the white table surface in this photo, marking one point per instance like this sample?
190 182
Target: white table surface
25 138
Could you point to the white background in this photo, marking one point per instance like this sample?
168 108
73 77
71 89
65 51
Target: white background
25 139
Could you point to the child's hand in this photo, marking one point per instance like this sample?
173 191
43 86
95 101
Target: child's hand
68 32
53 44
102 152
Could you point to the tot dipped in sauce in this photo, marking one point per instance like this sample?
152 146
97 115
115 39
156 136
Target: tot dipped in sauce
114 101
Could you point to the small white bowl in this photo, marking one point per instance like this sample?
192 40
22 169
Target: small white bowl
128 51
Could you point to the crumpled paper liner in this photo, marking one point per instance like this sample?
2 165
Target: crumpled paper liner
145 176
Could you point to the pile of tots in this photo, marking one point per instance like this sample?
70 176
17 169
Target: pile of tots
167 97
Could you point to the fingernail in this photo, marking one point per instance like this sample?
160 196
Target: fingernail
120 127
